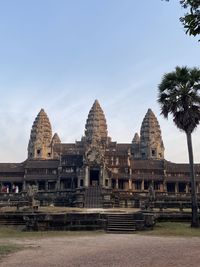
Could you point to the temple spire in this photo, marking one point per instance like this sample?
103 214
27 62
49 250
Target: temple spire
135 148
151 144
56 139
96 127
40 137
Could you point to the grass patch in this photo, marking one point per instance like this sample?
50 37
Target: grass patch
9 248
11 232
174 229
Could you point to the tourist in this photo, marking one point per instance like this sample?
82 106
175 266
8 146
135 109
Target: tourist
16 189
13 188
7 189
4 189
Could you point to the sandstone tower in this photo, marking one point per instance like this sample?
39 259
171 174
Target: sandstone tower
151 144
96 127
39 146
55 139
136 146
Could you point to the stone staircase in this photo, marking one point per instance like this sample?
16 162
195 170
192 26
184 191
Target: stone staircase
122 223
93 197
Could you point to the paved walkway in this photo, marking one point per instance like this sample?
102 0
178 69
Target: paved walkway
106 250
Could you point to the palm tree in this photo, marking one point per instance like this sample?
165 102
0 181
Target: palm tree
179 95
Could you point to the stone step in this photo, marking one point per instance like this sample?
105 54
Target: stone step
122 222
120 218
119 230
93 197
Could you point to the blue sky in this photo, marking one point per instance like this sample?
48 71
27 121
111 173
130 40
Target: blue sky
61 55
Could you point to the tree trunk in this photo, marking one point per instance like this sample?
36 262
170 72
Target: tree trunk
195 217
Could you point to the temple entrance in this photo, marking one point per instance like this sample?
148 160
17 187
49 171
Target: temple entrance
94 177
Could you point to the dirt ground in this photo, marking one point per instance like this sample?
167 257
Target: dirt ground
105 250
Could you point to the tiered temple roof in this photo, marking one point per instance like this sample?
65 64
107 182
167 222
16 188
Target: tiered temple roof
151 143
41 136
96 127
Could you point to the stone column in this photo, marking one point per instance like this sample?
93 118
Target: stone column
142 185
187 188
78 182
130 180
86 176
24 185
161 187
101 177
133 186
58 183
46 185
130 184
176 187
117 183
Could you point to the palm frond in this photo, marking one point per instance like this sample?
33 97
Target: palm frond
179 95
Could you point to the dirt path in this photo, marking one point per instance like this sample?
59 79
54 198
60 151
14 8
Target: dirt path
106 250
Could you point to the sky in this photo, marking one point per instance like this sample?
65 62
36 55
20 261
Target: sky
61 55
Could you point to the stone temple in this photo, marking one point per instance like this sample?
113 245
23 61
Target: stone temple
96 169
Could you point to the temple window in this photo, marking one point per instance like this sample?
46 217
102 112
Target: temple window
138 185
51 185
41 185
146 185
113 183
156 185
171 187
121 184
182 187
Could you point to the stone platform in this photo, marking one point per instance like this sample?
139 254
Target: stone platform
78 219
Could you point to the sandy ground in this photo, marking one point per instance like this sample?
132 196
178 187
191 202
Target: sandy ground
105 250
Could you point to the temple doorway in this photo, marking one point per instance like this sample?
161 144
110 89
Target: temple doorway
94 177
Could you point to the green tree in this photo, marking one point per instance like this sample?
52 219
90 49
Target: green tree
179 95
191 19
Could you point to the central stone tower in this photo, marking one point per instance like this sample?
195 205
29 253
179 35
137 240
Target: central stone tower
95 140
96 127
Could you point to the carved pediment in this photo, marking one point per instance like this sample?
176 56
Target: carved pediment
95 156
